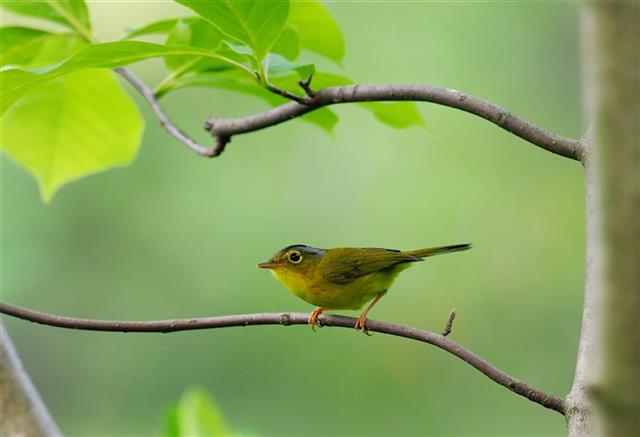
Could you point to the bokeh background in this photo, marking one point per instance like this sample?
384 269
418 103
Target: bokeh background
175 235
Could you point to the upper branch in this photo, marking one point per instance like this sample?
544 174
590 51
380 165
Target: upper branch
285 319
164 119
224 128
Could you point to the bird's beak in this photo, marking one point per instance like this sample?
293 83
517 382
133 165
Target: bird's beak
268 265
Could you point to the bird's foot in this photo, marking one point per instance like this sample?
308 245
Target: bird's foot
361 324
313 318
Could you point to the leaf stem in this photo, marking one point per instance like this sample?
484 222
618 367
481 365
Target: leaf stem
166 84
79 27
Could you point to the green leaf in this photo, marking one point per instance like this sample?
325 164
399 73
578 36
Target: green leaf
323 117
69 13
161 27
278 65
317 30
32 48
179 35
14 84
196 415
396 114
257 24
70 127
172 426
114 54
194 32
288 44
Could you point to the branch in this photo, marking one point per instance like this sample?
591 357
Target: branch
22 411
225 128
287 95
164 119
165 326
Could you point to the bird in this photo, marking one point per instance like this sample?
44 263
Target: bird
344 278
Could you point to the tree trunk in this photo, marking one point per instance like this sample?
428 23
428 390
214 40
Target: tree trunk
605 397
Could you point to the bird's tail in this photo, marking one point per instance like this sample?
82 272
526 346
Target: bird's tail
423 253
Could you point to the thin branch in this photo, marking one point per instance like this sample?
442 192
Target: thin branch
287 95
227 127
164 119
22 411
306 86
165 326
223 129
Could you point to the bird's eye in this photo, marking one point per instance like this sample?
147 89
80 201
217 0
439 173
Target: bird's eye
295 257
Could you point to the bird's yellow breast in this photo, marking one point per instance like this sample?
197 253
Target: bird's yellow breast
316 290
295 282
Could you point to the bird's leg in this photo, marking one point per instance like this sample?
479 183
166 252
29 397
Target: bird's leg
361 323
313 318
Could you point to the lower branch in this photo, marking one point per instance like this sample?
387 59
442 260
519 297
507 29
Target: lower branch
22 412
165 326
225 128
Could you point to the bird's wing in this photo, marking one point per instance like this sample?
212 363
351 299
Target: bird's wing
344 265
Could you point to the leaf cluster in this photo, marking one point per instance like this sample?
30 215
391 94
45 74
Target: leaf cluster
65 115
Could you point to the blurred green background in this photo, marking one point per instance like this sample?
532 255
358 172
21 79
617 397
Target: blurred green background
175 235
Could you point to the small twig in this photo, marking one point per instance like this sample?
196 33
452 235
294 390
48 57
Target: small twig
306 86
449 326
286 94
507 120
164 119
164 326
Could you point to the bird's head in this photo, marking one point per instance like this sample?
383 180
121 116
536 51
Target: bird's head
293 263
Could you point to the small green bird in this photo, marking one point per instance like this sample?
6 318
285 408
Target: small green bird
344 278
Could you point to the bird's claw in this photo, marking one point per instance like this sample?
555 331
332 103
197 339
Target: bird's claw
313 318
361 325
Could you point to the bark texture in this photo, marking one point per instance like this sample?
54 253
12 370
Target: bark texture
605 398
